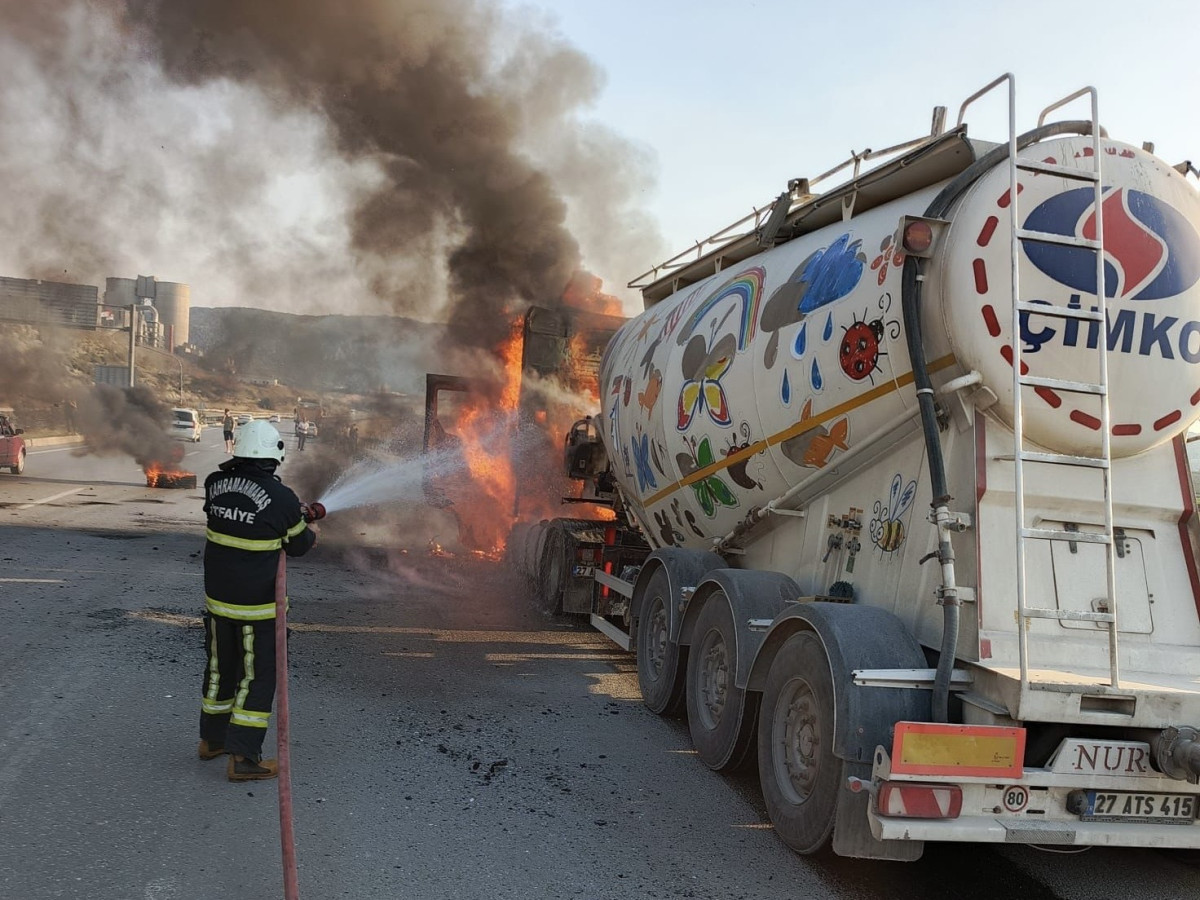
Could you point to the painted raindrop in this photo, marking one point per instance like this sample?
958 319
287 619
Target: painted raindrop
798 345
785 390
828 332
817 381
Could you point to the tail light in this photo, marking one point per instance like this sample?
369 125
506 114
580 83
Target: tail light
906 800
919 235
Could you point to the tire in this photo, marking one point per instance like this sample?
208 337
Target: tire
796 767
552 573
721 717
20 466
660 668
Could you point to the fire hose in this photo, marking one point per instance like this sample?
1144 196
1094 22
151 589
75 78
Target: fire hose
287 834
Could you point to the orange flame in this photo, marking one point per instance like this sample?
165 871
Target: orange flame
510 356
160 475
484 507
486 428
585 291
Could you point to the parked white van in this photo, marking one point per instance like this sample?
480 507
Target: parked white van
186 424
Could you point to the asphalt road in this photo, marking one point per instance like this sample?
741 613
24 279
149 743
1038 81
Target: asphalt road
447 741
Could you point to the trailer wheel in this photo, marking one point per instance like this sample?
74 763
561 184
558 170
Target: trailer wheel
796 766
553 570
660 670
721 716
20 466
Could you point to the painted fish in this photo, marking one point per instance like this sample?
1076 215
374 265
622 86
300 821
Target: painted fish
823 444
649 396
814 447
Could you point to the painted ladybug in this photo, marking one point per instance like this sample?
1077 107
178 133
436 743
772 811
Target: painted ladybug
859 352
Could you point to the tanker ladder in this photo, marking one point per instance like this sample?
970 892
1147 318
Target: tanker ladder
1104 612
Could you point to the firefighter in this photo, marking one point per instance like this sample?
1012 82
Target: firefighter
252 516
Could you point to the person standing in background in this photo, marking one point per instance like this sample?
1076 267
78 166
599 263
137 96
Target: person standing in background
227 427
301 433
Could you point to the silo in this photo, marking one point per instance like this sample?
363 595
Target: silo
173 302
119 291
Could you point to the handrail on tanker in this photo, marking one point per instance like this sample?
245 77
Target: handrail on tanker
1089 90
1007 76
1058 104
739 229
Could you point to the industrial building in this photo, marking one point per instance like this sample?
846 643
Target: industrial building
163 307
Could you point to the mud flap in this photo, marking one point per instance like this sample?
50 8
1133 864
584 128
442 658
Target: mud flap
852 830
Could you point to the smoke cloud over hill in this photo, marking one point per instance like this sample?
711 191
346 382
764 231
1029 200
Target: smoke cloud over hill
421 157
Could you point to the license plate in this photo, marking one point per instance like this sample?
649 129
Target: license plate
583 571
1121 806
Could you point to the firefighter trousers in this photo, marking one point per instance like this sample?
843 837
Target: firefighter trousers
239 683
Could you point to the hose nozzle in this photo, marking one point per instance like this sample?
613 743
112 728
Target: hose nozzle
313 511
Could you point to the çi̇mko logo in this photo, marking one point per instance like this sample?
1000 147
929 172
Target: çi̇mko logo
1151 252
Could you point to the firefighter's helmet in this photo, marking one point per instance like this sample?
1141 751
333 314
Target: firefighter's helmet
258 440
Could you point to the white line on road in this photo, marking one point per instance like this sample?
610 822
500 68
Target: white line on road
52 498
32 581
55 449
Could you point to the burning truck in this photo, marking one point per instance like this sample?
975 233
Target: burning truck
896 502
486 442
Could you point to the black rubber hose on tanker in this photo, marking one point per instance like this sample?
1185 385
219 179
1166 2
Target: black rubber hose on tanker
911 309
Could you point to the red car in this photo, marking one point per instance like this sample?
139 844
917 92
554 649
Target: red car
12 445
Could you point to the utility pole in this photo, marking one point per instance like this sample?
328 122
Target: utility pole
133 323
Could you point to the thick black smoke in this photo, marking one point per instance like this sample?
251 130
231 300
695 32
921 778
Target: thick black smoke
410 86
399 136
36 372
427 158
130 422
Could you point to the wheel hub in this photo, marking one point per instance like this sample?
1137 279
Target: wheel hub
801 743
658 638
714 679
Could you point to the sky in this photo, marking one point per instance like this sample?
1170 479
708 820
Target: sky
732 99
333 168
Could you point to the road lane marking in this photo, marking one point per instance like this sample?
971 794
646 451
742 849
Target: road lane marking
52 498
33 580
55 449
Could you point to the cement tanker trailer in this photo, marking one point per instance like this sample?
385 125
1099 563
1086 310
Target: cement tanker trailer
909 455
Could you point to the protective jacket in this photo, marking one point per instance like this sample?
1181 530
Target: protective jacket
251 516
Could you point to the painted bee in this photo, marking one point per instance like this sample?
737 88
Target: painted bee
887 528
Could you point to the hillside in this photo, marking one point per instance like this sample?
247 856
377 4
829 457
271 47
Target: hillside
251 360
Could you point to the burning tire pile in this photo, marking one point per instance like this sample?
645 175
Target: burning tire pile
170 479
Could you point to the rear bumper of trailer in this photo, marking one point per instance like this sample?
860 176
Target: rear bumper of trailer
1072 833
1133 808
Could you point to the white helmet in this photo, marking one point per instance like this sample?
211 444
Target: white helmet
257 440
